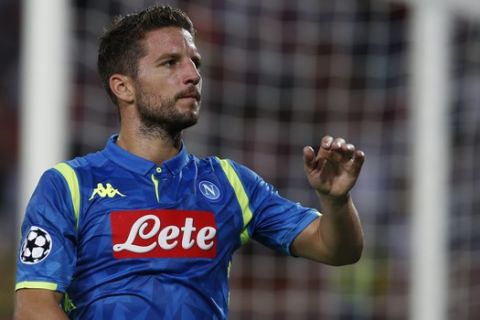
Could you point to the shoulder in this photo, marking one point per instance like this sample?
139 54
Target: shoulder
216 163
242 170
88 161
75 168
234 172
74 171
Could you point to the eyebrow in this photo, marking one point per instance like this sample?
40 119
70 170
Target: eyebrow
177 56
167 56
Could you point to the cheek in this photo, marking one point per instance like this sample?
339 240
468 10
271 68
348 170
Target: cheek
159 84
165 85
155 78
152 87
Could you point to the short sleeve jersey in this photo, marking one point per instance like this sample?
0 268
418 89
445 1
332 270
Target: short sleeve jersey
124 238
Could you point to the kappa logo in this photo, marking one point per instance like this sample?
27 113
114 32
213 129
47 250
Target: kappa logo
103 192
209 190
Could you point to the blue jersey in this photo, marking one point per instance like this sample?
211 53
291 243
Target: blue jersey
124 238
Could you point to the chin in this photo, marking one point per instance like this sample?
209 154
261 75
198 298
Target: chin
188 119
190 111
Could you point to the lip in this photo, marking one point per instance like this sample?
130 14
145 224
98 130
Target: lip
193 96
189 93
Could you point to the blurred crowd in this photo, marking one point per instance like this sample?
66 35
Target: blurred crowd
9 118
279 75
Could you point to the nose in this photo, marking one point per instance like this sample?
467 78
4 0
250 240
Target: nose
192 74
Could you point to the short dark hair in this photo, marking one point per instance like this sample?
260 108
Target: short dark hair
121 44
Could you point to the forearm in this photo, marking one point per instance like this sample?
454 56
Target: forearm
340 230
32 304
41 314
336 237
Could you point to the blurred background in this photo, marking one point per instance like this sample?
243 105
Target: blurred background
279 75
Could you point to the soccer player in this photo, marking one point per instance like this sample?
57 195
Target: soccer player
145 230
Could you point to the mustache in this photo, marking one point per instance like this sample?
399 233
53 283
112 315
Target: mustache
190 92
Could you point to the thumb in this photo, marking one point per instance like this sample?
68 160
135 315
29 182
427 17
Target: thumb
308 157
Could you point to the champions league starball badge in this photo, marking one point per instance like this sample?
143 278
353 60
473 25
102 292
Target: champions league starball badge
36 246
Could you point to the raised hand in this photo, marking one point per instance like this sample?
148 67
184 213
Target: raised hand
335 168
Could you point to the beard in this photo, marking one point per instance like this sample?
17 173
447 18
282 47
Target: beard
159 116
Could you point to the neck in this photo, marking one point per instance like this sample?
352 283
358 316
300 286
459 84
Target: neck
155 145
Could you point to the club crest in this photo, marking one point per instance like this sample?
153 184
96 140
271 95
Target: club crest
209 190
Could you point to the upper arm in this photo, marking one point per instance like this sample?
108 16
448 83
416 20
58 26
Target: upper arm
276 221
47 256
38 304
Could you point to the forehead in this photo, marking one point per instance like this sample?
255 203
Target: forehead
169 40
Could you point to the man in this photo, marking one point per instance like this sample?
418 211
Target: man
145 230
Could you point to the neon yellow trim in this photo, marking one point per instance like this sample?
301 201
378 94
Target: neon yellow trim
241 195
72 181
68 304
155 183
36 285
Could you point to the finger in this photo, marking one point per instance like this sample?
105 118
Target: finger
324 150
358 160
323 154
316 161
338 143
337 154
326 142
348 150
308 157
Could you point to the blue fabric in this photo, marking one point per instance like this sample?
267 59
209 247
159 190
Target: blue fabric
82 261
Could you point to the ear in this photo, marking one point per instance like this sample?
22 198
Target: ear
122 87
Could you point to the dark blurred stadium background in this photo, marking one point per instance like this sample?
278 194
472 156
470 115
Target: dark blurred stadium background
279 75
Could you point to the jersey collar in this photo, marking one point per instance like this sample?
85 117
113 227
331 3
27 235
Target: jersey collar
140 165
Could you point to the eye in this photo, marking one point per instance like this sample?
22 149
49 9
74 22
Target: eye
197 61
170 63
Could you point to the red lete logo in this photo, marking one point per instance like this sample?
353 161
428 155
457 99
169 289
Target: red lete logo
163 234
